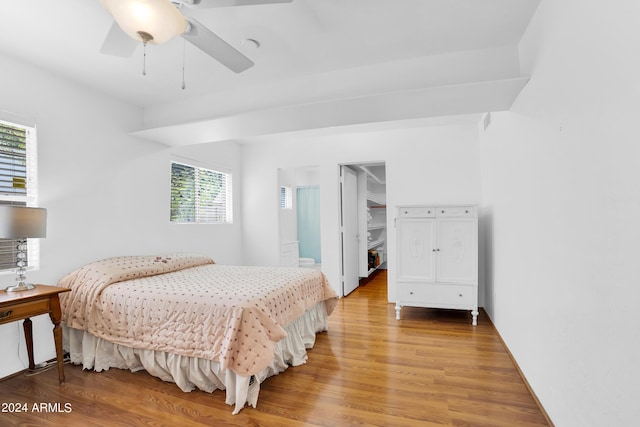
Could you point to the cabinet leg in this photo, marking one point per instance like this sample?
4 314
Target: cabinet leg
398 308
474 313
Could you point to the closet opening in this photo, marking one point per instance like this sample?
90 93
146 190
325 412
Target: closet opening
363 222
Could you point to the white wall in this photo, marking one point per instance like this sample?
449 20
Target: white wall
561 174
106 193
423 165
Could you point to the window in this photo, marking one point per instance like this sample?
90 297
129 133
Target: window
200 195
285 198
18 184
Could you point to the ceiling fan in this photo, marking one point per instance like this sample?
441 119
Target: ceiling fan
157 21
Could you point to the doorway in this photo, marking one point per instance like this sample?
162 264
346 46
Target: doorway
299 217
363 222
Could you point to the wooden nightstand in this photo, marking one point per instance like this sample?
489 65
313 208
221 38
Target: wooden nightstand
25 304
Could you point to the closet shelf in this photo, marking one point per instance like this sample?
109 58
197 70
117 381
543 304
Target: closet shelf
375 244
371 270
374 202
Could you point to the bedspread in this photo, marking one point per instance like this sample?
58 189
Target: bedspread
188 305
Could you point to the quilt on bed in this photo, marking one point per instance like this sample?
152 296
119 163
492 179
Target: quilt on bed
186 304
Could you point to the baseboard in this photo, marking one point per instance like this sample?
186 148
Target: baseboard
15 374
40 367
524 379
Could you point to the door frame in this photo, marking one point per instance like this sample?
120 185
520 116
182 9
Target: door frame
353 165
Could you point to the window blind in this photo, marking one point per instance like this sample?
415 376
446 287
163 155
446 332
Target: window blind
18 184
199 195
285 197
13 160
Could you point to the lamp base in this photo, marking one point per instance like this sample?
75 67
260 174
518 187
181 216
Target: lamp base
20 287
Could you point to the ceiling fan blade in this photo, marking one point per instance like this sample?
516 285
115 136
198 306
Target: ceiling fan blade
226 3
201 37
118 43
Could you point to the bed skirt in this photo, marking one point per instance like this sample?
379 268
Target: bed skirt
189 372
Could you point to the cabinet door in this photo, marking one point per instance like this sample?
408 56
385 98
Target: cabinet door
416 256
457 249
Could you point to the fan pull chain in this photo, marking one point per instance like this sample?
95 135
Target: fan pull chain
184 43
144 59
145 37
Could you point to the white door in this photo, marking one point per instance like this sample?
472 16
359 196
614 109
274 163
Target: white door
349 229
457 250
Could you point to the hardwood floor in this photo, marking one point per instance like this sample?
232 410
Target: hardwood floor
431 368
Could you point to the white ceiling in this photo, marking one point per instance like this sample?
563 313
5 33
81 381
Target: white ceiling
325 55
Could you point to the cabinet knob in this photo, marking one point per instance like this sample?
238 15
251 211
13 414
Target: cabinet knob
411 293
460 295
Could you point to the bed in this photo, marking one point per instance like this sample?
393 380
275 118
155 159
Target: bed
185 319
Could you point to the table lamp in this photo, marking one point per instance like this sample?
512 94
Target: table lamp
21 223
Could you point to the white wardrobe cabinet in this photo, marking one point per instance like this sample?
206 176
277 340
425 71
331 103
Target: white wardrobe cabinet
437 264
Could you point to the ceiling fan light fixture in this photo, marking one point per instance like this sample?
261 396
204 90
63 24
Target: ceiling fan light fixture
159 19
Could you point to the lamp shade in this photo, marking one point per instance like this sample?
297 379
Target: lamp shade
160 19
19 222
